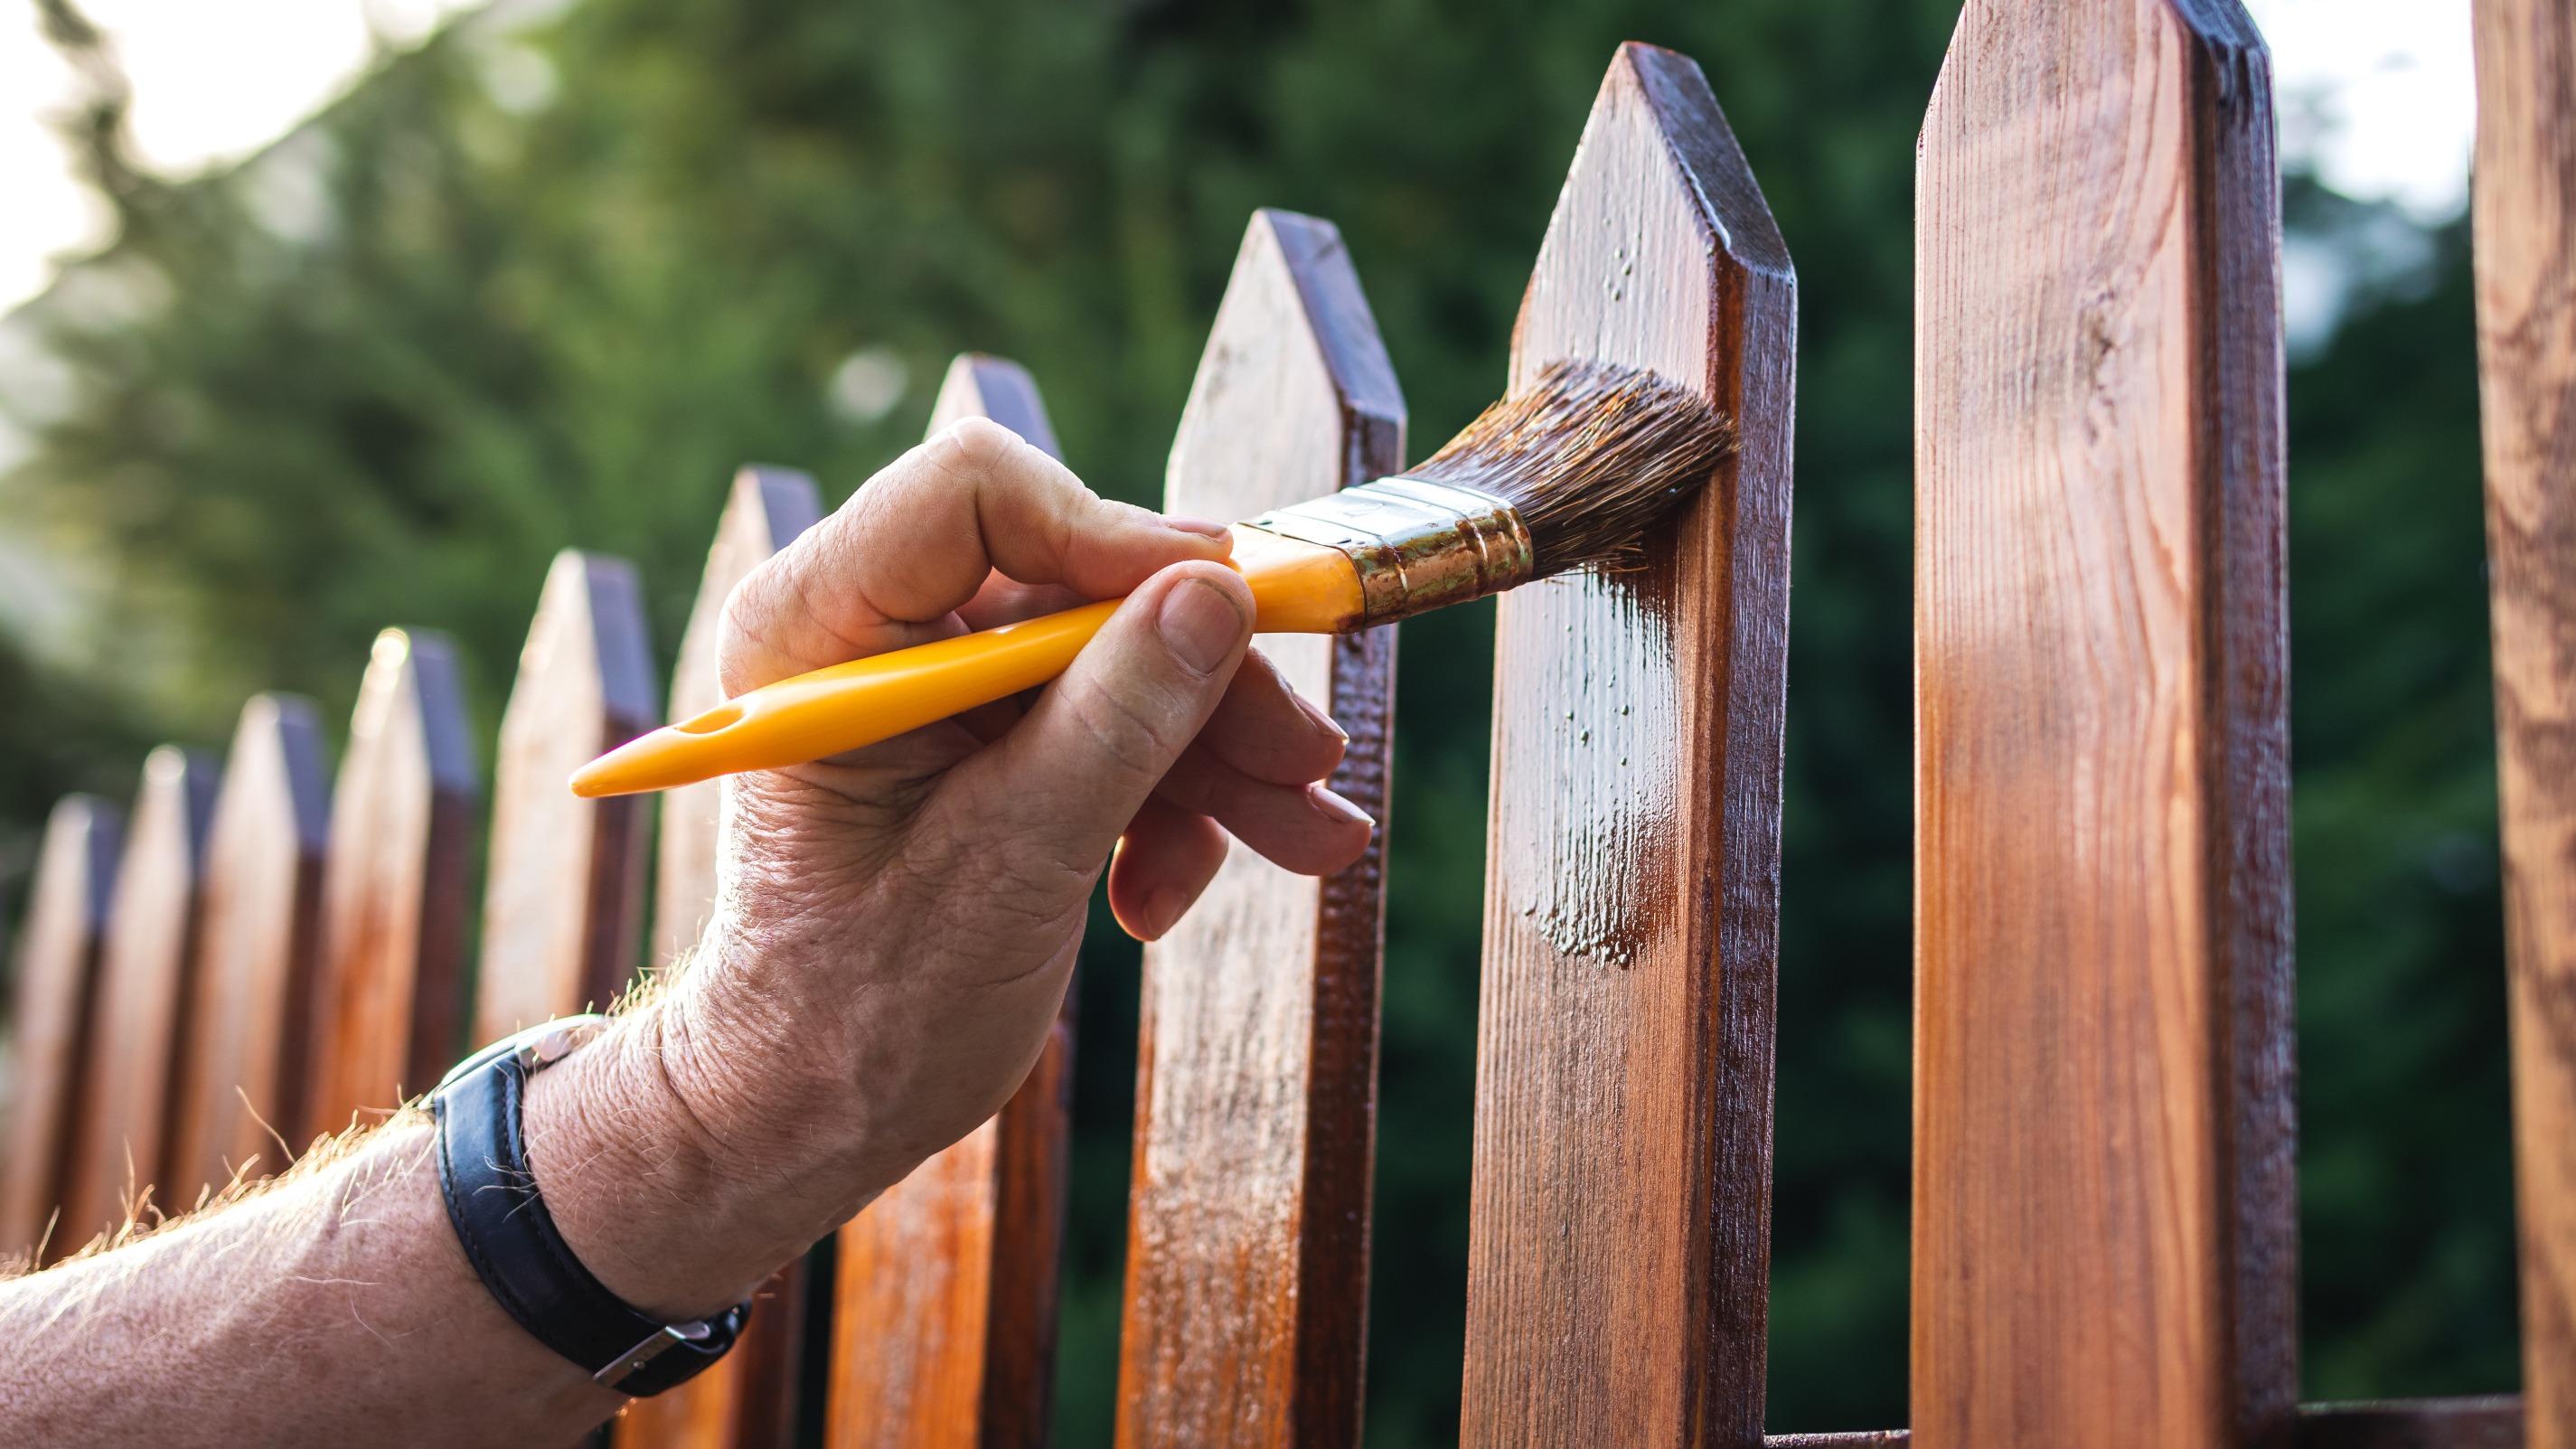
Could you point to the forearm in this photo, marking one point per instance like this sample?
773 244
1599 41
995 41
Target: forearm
332 1307
336 1306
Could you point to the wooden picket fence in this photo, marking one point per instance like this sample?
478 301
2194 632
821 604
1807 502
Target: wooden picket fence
2104 1237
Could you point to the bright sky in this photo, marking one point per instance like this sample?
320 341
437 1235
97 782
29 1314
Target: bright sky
2376 94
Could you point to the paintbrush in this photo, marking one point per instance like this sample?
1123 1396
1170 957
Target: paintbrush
1564 473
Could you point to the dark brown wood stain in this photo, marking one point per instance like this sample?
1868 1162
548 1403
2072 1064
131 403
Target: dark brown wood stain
1619 1256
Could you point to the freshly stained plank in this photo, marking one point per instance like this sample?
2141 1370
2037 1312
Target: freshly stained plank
258 935
391 988
2526 265
1248 1223
1620 1245
563 897
143 1001
57 983
944 1313
2104 1224
747 1400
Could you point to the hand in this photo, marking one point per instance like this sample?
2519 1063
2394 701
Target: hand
896 926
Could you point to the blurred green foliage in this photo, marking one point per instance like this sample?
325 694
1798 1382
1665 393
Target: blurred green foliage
546 284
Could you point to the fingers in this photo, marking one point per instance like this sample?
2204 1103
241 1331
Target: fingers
1050 797
923 536
1303 827
1265 729
1165 861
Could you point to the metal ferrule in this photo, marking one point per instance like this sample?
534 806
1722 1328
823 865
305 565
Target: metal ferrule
1417 545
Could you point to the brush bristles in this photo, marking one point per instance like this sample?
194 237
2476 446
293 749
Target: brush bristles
1589 454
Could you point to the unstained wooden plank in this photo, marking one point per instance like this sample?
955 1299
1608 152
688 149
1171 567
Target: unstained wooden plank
391 991
1619 1251
563 895
1248 1223
2526 265
58 968
2104 1220
258 935
944 1312
747 1400
144 999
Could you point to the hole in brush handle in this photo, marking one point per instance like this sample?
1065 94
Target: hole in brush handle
723 716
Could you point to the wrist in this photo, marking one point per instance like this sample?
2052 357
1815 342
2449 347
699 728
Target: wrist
648 1194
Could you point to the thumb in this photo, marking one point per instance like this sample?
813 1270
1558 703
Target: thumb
1055 792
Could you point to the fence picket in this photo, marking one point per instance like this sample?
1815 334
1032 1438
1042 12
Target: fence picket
944 1305
1619 1253
563 896
747 1400
144 996
391 977
2525 229
2104 1216
59 952
258 934
1247 1245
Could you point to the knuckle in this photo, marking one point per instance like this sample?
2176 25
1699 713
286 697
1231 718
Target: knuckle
1134 739
974 446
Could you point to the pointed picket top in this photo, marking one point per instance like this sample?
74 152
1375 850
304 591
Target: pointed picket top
748 1400
389 991
563 896
145 996
2104 1167
983 386
258 935
57 981
1619 1251
765 511
1247 1256
944 1311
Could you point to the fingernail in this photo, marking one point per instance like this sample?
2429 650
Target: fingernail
1201 625
1334 807
1162 912
1322 720
1203 527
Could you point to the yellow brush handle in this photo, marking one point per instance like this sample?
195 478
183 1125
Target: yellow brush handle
1296 588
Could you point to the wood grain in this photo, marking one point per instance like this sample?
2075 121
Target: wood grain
2104 1215
390 994
747 1400
1619 1252
59 950
563 898
145 998
944 1312
2525 229
1256 1098
259 934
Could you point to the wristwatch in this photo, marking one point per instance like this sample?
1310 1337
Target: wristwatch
501 1220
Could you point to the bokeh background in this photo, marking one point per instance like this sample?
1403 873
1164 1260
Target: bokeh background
543 273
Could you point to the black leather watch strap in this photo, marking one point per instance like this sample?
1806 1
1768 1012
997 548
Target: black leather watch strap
510 1238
